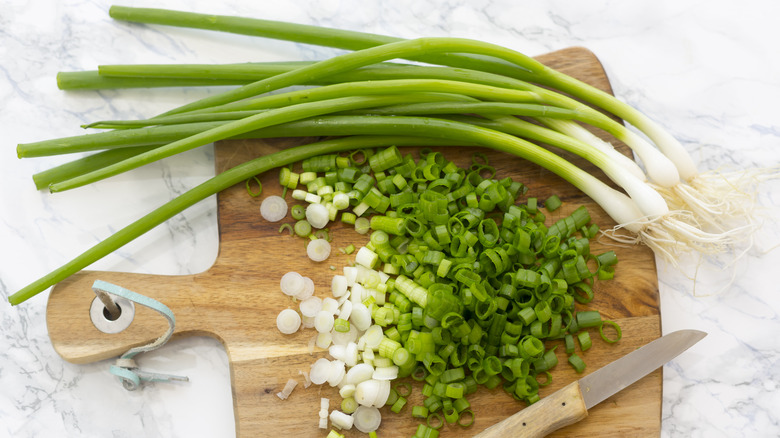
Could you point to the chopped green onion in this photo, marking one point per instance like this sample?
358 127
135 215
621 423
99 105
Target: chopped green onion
302 228
398 405
435 421
588 318
298 212
254 193
576 362
424 431
618 332
419 412
552 203
584 339
362 225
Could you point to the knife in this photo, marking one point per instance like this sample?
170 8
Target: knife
570 404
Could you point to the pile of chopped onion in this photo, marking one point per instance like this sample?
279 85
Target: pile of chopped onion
364 385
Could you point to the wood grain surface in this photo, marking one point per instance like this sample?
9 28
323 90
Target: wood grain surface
238 298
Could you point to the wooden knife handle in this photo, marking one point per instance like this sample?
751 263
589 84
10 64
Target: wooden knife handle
549 414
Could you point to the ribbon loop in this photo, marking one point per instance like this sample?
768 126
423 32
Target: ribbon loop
125 367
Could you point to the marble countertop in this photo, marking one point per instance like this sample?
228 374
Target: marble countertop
708 71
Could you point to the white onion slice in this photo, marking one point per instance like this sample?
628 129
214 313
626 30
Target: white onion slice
317 215
341 200
350 273
273 208
351 355
341 420
337 351
358 293
324 321
330 305
324 423
360 316
288 321
343 298
347 390
383 394
359 373
338 285
373 336
337 372
367 392
308 289
307 321
299 194
292 283
320 370
318 250
385 373
310 306
324 340
367 419
368 357
344 338
367 258
346 310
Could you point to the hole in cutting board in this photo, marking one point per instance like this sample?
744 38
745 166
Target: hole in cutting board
104 322
109 316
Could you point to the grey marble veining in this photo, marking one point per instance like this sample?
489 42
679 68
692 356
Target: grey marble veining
706 71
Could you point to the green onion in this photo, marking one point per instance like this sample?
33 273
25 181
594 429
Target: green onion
298 212
576 362
220 182
480 281
589 318
618 331
286 227
552 203
530 70
302 228
362 225
348 405
419 412
584 339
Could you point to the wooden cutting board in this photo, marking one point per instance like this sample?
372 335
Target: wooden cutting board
238 298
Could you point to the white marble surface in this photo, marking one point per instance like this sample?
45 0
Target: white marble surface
709 71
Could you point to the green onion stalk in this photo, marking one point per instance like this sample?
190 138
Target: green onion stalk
619 206
658 166
214 185
486 74
716 199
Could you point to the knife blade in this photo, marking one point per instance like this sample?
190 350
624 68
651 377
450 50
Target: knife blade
570 404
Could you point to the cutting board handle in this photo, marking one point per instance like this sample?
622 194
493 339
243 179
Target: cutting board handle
76 338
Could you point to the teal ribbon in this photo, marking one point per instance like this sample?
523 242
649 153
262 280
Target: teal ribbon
125 367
